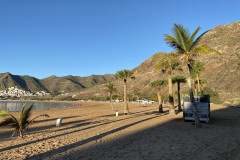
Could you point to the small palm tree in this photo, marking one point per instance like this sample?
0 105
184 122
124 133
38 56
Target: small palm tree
179 79
111 89
169 62
124 75
159 84
23 123
187 47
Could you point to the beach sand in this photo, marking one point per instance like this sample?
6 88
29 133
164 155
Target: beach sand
93 132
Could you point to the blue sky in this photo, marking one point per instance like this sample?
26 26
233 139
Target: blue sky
83 37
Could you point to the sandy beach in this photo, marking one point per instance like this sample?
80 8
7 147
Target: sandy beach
93 132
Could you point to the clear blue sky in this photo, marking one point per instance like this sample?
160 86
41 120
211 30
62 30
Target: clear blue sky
83 37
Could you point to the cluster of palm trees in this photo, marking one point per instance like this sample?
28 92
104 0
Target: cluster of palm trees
186 47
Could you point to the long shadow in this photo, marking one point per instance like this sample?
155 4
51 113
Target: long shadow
113 115
77 125
52 119
149 144
6 134
76 144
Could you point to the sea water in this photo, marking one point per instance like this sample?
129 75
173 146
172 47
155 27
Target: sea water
17 105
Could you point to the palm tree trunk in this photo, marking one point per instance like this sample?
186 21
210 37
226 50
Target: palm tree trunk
198 83
201 86
171 102
197 121
20 133
179 98
160 100
111 100
194 85
126 110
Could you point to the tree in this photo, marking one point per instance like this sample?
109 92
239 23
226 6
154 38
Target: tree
179 79
196 69
159 84
111 89
169 62
187 47
23 123
202 82
124 75
138 94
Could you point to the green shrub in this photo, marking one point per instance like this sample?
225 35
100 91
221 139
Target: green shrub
214 97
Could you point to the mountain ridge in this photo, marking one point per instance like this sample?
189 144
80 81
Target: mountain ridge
53 84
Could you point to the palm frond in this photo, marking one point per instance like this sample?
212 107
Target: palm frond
159 55
158 83
42 115
192 37
195 43
23 107
162 64
110 88
179 79
200 50
4 113
173 42
25 116
123 74
7 121
179 33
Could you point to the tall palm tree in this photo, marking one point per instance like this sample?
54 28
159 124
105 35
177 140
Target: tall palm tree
23 123
111 89
196 69
179 79
159 84
124 75
169 62
187 47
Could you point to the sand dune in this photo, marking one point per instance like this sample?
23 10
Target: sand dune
92 131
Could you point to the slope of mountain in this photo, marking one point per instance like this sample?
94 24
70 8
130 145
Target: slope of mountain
53 84
222 71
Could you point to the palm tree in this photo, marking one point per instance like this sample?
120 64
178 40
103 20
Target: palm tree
110 89
124 75
158 84
23 123
187 47
179 79
138 94
169 62
196 69
202 82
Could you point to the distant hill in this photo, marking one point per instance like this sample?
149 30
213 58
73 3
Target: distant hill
53 84
222 71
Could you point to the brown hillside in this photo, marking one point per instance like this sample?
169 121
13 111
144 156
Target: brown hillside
222 71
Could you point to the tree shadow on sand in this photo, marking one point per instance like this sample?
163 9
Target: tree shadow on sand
174 139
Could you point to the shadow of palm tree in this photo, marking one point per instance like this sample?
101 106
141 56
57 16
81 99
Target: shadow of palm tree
164 141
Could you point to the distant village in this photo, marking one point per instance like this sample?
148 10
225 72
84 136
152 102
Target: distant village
16 92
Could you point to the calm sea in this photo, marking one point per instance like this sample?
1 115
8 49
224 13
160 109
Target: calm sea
17 105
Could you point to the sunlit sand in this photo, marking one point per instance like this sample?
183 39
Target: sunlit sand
93 131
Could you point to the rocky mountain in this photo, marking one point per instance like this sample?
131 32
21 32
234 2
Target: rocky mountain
53 84
222 71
